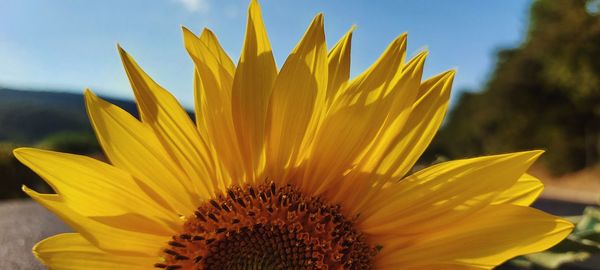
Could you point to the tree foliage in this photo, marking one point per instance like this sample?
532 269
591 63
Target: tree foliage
544 94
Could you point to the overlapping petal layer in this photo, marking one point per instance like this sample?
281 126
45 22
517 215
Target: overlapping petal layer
485 239
349 142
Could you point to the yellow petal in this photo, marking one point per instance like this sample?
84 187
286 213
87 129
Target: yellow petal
252 84
94 188
443 193
354 120
297 100
487 238
71 251
213 97
383 264
404 89
376 81
400 146
523 192
200 121
339 66
140 242
406 83
133 147
448 266
175 130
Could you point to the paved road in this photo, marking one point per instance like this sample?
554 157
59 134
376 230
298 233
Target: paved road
22 224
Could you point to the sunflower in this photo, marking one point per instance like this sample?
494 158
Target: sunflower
296 168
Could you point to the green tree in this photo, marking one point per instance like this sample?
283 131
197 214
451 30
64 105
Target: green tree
544 94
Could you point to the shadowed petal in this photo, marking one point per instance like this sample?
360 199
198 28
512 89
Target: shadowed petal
339 66
298 99
215 72
175 130
133 147
252 84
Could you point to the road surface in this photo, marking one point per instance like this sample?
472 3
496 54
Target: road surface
22 224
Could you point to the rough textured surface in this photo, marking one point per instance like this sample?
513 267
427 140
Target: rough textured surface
22 224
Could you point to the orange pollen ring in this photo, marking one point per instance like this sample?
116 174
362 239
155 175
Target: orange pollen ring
268 227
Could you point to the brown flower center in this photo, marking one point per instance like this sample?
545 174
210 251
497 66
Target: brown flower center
268 227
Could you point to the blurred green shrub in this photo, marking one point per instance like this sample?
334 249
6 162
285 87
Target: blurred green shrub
82 142
14 175
544 94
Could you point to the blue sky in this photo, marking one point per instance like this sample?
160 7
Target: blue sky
70 45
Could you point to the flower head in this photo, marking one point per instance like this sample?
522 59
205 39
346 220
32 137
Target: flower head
291 168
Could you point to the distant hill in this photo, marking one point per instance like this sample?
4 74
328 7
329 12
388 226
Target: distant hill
42 119
26 116
50 120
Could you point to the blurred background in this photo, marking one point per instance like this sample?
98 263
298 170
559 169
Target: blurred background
528 78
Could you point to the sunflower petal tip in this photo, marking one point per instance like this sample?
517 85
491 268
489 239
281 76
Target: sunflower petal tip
320 17
254 5
185 30
419 58
90 98
24 154
35 250
30 192
16 151
207 34
450 74
317 22
528 156
352 29
400 38
536 153
124 55
570 225
88 92
563 227
187 35
19 152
